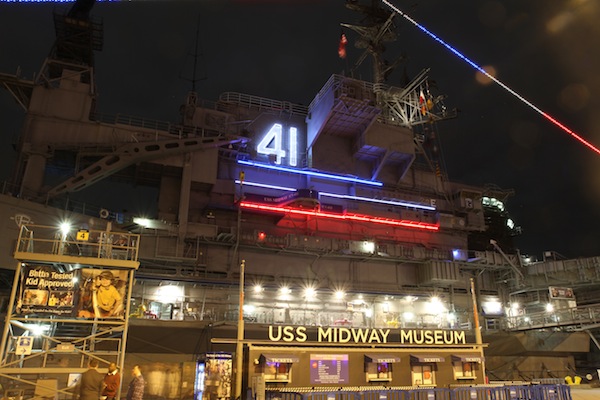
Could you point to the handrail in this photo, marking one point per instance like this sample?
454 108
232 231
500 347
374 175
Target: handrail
263 103
40 239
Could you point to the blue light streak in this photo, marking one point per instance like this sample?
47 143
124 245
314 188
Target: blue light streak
491 77
343 196
388 202
316 174
264 185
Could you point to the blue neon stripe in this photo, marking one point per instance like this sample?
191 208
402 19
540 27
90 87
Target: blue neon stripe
343 196
311 173
390 202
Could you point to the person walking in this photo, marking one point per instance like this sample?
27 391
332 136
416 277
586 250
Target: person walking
112 382
92 382
137 384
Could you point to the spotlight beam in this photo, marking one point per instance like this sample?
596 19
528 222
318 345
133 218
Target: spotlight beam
494 79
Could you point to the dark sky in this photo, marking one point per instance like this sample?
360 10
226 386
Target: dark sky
546 50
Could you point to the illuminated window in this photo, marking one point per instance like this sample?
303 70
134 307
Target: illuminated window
378 367
464 370
378 371
422 374
278 372
465 366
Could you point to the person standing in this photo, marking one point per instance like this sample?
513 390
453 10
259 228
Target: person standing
92 382
112 381
137 384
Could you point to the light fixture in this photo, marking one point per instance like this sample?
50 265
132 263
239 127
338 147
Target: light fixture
343 217
310 293
285 290
37 330
368 247
143 222
170 294
65 227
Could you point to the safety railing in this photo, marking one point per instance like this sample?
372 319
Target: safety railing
479 392
54 240
263 103
575 318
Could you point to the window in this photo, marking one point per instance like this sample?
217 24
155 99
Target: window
378 371
464 366
422 374
278 372
464 370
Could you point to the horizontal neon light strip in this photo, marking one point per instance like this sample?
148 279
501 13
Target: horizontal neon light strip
311 173
343 196
343 217
266 186
390 202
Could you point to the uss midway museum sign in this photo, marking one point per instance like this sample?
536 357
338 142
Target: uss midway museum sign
345 335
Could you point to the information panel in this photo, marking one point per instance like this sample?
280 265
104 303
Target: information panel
329 368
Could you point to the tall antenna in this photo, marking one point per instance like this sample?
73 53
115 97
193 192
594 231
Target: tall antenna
378 28
189 109
196 55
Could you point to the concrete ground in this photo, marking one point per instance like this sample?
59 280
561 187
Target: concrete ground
585 392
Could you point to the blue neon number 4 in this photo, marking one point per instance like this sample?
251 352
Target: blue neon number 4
272 145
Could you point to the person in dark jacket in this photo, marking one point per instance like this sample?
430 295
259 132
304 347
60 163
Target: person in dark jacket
92 382
137 384
112 381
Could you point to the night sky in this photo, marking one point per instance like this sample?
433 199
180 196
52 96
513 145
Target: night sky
546 50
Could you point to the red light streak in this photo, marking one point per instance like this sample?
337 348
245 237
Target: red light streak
344 217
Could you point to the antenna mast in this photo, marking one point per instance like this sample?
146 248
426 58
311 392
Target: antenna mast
192 98
379 28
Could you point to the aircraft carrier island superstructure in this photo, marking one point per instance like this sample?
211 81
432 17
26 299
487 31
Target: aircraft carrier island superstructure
336 219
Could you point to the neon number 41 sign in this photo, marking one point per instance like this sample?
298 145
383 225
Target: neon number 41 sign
273 145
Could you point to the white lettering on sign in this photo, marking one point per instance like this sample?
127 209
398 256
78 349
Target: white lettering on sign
367 335
272 144
416 336
287 333
345 335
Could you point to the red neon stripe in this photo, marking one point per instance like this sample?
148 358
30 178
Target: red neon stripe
344 217
570 132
